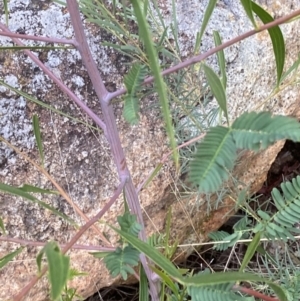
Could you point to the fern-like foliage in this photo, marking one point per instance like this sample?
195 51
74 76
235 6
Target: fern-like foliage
217 152
133 82
241 231
125 257
281 224
121 261
220 292
129 224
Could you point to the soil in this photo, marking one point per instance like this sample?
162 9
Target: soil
285 167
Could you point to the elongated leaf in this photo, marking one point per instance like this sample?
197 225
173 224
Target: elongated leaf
247 4
276 37
43 105
221 59
198 280
294 68
152 253
208 12
143 286
214 158
59 265
2 226
35 189
38 138
257 131
19 192
250 251
5 4
217 89
9 257
145 36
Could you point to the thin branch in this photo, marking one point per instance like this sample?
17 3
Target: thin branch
203 56
39 38
75 238
112 133
255 293
60 84
57 186
25 242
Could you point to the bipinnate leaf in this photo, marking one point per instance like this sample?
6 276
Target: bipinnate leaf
38 138
276 38
217 88
133 82
217 152
213 159
122 261
9 257
256 131
58 267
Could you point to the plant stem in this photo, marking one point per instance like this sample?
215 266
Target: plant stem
75 238
200 57
111 131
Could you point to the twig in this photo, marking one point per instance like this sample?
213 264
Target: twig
60 84
200 57
75 238
25 242
57 186
39 38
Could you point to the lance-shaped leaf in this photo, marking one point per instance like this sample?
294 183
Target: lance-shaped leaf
208 12
38 138
9 257
58 266
20 192
276 37
214 158
217 88
247 4
221 59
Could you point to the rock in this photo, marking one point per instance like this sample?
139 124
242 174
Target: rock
77 155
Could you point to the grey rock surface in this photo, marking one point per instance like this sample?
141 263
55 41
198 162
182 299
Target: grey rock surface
77 155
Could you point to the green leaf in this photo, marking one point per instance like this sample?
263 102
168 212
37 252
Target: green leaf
250 251
9 257
143 285
35 189
247 4
2 226
5 3
256 131
276 38
133 82
121 261
217 89
38 138
19 192
208 12
59 265
165 264
214 158
221 59
129 224
145 36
